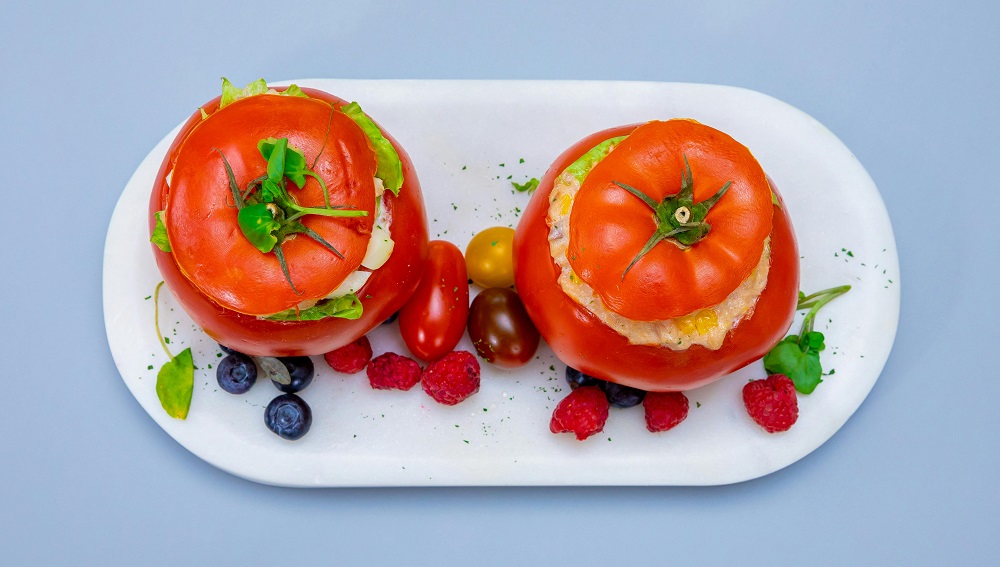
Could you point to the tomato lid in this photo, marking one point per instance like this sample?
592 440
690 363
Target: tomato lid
610 225
201 217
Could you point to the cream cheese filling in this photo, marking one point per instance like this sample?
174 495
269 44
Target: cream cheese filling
707 327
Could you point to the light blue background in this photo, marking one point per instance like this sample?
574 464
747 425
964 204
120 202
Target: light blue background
86 477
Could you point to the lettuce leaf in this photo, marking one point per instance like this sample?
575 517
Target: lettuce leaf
231 94
390 169
159 237
582 166
345 307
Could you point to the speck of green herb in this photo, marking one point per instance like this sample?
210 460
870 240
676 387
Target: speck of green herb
466 441
521 160
150 367
463 168
697 404
148 296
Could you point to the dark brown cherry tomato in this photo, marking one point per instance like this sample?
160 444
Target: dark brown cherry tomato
500 328
433 320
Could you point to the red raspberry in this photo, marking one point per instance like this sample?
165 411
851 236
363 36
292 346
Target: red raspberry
452 378
583 412
664 410
391 371
772 402
350 358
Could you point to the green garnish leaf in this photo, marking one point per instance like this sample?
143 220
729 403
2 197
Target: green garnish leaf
797 356
231 94
582 166
344 307
159 237
294 90
259 226
390 169
803 367
175 384
294 161
528 186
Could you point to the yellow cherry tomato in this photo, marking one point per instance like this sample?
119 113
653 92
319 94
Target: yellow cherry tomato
488 257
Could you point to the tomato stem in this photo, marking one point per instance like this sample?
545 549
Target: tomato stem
678 219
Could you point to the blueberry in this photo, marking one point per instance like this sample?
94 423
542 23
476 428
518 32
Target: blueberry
301 370
288 416
577 378
391 318
226 349
236 373
622 396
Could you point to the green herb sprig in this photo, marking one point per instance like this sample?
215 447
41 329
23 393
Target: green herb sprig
267 215
797 356
175 380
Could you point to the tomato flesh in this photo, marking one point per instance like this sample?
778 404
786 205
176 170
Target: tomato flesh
433 320
583 342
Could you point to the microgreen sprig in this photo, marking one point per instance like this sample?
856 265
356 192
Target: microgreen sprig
678 218
175 380
797 356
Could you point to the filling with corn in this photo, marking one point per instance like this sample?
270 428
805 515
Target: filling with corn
707 327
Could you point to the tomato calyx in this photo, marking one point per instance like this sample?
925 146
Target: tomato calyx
267 214
678 219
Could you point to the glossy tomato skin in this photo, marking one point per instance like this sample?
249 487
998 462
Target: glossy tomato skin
582 341
501 329
488 257
433 320
383 294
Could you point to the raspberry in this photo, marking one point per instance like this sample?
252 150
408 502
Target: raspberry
350 358
772 402
391 371
452 378
664 410
583 412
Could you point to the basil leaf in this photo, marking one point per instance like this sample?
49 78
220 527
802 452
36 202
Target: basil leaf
295 161
231 94
390 169
259 226
175 384
582 166
344 307
528 186
159 237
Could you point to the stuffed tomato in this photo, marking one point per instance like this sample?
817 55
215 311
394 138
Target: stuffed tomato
657 256
286 222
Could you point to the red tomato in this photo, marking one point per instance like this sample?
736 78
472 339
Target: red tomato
223 282
582 341
433 320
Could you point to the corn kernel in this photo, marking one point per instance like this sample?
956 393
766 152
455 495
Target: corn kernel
686 325
565 203
705 320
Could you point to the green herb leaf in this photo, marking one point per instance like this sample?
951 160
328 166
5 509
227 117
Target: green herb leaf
528 186
797 356
231 94
582 166
175 384
390 169
344 307
294 161
159 237
259 226
802 367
